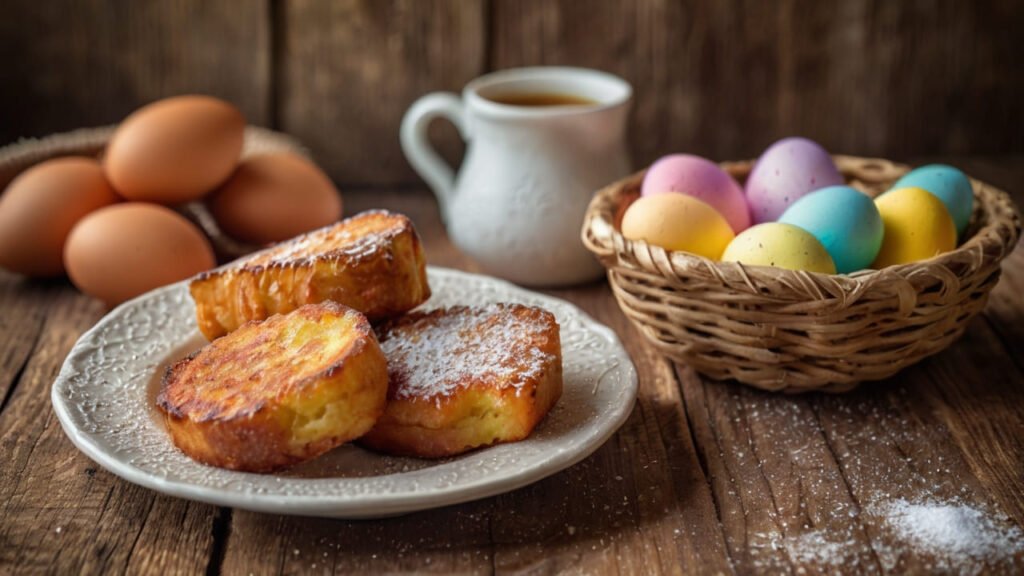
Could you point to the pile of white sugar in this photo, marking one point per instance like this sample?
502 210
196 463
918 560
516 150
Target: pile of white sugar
960 537
951 536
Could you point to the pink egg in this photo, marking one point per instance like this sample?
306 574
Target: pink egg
702 179
788 170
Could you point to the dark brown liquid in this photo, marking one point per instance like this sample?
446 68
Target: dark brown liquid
541 99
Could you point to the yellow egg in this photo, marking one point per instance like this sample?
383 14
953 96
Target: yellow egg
677 222
917 226
782 246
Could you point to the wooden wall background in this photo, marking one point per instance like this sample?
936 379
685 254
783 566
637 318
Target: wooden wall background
722 78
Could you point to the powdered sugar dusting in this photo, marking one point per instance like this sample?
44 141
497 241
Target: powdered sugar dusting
817 548
951 537
881 490
433 354
354 238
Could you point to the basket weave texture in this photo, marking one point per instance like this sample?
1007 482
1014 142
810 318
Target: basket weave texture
797 331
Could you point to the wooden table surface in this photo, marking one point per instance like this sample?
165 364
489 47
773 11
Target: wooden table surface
704 477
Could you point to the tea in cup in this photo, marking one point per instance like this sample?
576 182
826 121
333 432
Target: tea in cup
539 142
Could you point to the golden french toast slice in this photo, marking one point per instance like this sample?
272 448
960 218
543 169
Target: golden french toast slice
461 378
372 262
279 391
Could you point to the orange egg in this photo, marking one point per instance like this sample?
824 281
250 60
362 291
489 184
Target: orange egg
121 251
41 206
175 150
273 197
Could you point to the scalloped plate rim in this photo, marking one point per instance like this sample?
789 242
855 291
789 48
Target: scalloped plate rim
358 506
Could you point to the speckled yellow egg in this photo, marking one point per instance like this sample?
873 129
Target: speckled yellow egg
782 246
917 226
678 222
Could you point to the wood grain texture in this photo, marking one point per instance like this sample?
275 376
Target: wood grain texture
725 79
704 477
59 512
69 64
24 304
722 78
350 69
639 505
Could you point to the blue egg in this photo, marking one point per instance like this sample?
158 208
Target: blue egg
949 184
844 220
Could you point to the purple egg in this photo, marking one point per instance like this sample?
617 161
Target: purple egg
702 179
788 169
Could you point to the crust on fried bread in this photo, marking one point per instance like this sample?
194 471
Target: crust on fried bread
461 378
372 262
277 392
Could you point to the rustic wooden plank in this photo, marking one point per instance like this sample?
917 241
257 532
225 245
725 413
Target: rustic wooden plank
942 429
977 390
639 505
73 63
807 483
740 481
725 79
893 447
446 541
674 504
638 40
23 303
59 513
451 540
622 510
1004 312
350 69
983 386
758 487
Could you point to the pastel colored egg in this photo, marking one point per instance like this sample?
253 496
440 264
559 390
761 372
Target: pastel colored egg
917 226
845 221
949 184
788 170
779 245
677 222
702 179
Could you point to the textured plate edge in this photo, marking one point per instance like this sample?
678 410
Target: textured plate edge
385 505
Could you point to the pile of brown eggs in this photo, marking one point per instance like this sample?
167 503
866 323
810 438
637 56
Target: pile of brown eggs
110 223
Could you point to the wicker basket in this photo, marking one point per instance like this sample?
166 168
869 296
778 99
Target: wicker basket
19 156
797 331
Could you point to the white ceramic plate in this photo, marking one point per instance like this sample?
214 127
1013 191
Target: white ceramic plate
104 398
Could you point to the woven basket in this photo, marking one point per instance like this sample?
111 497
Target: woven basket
796 331
16 157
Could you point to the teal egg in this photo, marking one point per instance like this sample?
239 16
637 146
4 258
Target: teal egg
949 184
844 220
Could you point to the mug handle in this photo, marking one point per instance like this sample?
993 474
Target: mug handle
418 150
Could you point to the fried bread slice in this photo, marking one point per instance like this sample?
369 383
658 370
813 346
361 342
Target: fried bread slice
277 392
461 378
372 262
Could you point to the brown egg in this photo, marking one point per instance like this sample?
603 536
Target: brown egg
273 197
41 206
121 251
175 150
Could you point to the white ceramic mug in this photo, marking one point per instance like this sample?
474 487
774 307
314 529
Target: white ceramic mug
517 204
